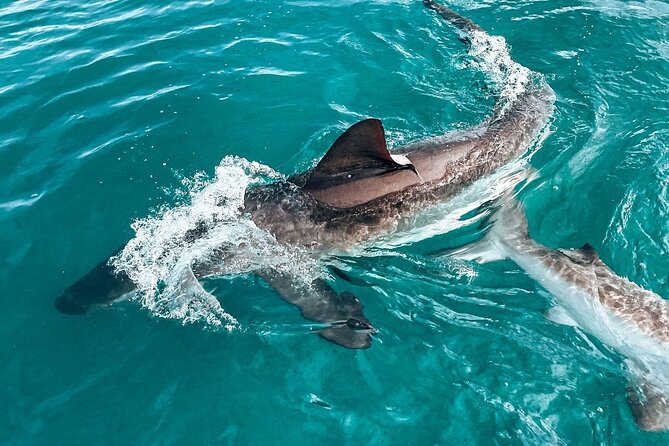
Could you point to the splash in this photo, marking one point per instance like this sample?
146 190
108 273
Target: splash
491 56
208 232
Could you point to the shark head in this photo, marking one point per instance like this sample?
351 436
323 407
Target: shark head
100 286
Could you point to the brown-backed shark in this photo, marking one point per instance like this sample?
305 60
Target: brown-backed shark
360 190
624 316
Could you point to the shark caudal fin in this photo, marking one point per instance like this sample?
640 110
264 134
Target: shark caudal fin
508 225
452 17
101 286
509 222
650 406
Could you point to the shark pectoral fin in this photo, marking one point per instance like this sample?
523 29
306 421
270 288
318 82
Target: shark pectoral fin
318 302
560 316
344 336
650 406
191 288
352 331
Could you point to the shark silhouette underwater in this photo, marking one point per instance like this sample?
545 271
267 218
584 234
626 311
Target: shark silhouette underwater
589 295
359 191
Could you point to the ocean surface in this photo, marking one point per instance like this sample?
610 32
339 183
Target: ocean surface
120 120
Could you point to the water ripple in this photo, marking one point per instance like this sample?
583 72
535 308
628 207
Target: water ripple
106 104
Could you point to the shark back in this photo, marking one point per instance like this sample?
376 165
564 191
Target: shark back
643 309
360 189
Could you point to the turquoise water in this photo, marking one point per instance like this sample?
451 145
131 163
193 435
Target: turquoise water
108 108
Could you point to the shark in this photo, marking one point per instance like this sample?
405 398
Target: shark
360 191
588 294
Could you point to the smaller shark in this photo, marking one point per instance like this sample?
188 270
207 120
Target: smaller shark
624 316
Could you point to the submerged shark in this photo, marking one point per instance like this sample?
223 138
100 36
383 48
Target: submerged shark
626 317
357 192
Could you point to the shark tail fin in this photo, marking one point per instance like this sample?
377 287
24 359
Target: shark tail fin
509 222
650 406
508 225
452 17
482 251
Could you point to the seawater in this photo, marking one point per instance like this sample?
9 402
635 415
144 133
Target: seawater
115 115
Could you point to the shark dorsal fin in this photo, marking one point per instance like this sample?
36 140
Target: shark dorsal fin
359 151
586 255
363 144
589 252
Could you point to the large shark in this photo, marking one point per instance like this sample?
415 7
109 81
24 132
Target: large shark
626 317
359 191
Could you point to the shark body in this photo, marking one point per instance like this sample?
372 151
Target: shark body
624 316
359 191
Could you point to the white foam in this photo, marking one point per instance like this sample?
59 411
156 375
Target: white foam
209 224
491 56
